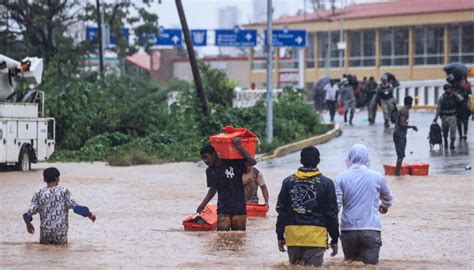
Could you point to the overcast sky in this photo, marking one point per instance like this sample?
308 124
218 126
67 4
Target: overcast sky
204 14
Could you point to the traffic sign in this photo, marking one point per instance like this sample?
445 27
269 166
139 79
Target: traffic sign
236 37
113 38
199 37
91 35
288 38
169 37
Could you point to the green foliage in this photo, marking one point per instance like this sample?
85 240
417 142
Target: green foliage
126 121
218 88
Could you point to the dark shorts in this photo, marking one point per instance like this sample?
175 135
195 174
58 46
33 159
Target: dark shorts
361 246
400 145
311 256
231 223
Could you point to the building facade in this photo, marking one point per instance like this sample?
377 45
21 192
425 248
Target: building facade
413 39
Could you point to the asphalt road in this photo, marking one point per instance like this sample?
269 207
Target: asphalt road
382 150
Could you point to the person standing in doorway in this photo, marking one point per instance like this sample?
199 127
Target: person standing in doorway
400 132
331 90
363 195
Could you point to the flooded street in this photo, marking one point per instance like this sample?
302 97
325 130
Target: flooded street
140 211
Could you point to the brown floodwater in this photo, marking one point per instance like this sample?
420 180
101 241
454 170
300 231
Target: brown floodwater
140 211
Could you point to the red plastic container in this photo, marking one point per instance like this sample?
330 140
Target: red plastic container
419 168
206 221
257 210
390 169
225 147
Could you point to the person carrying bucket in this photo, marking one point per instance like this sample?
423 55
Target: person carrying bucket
224 177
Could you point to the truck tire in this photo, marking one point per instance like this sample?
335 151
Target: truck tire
24 162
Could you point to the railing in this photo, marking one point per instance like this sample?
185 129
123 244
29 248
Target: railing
425 93
248 98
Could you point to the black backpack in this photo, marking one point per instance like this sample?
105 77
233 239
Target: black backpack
435 136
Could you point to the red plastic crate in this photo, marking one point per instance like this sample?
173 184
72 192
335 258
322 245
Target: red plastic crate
390 169
225 147
257 210
206 221
419 169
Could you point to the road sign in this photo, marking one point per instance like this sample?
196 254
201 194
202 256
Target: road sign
91 35
288 38
236 37
199 37
113 38
167 37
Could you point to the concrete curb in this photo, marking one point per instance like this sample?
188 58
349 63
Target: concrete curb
293 147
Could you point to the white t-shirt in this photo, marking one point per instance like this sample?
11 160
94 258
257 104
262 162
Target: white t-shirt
331 91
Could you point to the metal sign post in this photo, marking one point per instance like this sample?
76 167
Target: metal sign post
269 128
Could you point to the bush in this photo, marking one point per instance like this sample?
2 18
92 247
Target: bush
126 121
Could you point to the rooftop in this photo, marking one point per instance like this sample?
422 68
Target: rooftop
381 9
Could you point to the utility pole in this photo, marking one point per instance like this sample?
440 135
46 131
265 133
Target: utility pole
99 36
269 128
192 60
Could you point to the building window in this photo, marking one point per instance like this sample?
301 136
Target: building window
288 58
394 47
362 48
429 45
462 43
310 51
334 52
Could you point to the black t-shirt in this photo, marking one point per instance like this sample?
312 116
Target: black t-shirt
227 179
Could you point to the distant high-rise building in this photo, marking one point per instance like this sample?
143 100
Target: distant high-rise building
229 17
259 10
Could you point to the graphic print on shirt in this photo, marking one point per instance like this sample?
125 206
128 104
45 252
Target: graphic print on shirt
301 195
230 172
52 204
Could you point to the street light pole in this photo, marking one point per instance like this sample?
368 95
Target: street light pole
269 128
100 35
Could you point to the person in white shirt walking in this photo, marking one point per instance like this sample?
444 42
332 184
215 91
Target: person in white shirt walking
331 90
364 195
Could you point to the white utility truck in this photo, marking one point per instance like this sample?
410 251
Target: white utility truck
26 136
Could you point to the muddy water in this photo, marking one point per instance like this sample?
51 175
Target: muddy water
140 210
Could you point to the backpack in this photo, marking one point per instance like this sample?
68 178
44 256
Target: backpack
435 136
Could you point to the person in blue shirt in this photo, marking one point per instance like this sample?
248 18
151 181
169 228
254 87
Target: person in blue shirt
363 195
53 203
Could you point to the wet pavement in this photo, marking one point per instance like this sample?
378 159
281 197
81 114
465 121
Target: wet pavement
140 209
379 142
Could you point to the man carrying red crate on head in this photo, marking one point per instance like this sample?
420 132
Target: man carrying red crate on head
224 177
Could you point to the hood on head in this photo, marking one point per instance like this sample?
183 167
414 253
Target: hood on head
358 155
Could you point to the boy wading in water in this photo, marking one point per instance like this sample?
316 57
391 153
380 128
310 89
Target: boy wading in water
53 203
252 179
224 177
400 132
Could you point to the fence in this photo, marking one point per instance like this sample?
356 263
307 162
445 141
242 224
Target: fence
425 93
